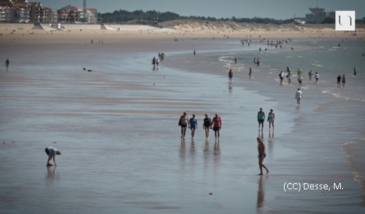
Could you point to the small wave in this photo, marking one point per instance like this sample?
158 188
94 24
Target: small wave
342 96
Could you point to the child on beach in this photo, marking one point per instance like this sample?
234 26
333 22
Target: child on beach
52 152
317 77
7 62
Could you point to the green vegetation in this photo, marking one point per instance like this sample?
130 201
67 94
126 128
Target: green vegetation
123 16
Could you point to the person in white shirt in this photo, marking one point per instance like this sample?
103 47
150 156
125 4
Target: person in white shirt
298 96
317 77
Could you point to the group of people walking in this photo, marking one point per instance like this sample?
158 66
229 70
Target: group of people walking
192 123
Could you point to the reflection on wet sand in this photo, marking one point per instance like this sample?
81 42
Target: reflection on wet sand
192 150
51 174
230 87
271 142
217 154
261 194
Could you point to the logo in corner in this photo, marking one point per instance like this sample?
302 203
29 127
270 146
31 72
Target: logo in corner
345 20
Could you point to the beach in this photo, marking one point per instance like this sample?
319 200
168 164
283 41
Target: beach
117 126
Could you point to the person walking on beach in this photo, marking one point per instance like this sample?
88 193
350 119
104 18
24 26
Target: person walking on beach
194 52
298 96
183 122
258 62
271 119
300 80
339 80
235 60
289 76
261 118
250 73
193 126
51 153
262 154
317 77
7 62
343 80
354 71
206 125
217 125
230 75
287 69
310 74
281 75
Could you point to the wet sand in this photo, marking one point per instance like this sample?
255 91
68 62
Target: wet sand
117 129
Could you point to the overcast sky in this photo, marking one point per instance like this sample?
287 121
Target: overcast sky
278 9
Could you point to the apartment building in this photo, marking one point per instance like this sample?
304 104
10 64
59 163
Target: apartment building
15 11
73 14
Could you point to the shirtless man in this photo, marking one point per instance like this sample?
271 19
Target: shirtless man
183 122
262 154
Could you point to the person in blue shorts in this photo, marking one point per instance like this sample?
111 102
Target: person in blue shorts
193 125
52 152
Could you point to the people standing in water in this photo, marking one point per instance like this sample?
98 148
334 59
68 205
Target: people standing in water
354 71
235 60
343 80
317 77
183 122
52 152
193 125
339 80
262 155
230 75
310 74
298 96
250 73
7 62
261 119
206 125
258 62
217 125
271 119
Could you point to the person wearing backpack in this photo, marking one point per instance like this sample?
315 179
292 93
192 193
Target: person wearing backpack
217 125
261 118
206 125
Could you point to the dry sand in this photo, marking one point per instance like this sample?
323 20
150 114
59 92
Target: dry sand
191 29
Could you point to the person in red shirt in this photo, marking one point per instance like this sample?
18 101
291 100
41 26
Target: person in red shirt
217 125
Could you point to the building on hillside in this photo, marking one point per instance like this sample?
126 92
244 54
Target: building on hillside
73 14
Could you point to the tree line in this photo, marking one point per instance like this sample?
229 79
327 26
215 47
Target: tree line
123 16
